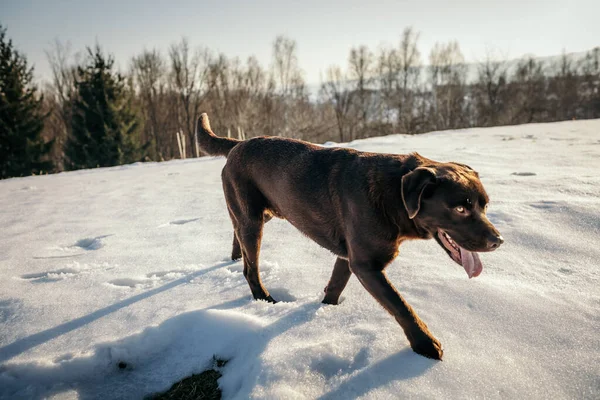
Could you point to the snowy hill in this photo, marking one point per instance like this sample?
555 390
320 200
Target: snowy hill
129 264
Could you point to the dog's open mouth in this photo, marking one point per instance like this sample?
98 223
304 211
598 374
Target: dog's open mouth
468 259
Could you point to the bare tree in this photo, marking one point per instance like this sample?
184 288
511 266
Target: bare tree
149 74
408 59
285 65
563 89
289 81
189 71
218 86
590 84
399 82
337 92
490 91
529 92
268 106
248 84
58 97
387 75
448 86
360 63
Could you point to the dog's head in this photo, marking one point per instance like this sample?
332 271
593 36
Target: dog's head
450 203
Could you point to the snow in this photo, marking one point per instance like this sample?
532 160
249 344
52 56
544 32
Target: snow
129 265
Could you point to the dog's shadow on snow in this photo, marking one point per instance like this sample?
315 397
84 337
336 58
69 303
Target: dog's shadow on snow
399 366
26 343
194 336
182 345
127 368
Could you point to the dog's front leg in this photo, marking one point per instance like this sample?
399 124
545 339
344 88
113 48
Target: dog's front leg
375 281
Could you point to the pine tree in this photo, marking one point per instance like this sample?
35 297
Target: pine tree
105 126
22 149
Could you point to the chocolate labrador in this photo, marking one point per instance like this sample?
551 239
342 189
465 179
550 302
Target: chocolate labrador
360 206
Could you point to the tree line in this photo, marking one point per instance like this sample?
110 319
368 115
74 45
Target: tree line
93 115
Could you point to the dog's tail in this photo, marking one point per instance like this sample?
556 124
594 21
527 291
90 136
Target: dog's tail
209 142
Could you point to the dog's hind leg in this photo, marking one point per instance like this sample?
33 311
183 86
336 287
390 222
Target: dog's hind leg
236 250
246 206
339 278
249 234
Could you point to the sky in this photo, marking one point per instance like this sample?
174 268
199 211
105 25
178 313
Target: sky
325 31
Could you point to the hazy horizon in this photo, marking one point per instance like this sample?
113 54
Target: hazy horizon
324 33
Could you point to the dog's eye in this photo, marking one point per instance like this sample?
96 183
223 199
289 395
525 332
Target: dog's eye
460 209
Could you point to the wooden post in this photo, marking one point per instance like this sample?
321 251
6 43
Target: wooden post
229 133
179 145
183 144
197 145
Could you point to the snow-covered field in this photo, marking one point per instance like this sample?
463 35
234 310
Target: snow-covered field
129 265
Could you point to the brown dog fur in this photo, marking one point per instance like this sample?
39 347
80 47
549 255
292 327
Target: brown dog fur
360 206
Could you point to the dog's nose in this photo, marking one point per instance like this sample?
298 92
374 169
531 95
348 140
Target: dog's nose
494 241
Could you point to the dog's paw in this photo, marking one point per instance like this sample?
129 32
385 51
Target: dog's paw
270 299
428 347
331 299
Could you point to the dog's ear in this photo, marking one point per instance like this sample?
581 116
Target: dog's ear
467 167
413 185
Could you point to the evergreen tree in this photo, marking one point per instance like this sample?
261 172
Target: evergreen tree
22 148
105 126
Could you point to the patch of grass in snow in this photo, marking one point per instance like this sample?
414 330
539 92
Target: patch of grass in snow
198 386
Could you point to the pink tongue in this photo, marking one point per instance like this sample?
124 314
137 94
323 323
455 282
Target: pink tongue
471 263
